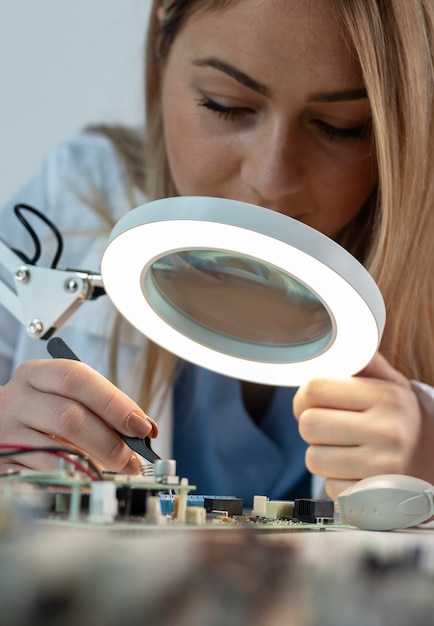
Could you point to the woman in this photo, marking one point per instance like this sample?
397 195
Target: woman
318 110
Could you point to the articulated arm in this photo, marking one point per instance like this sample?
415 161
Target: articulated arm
43 299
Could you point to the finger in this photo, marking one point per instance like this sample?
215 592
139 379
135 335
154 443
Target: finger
9 467
334 488
65 418
39 456
380 368
357 393
73 423
350 462
336 462
78 382
339 428
133 465
34 460
353 394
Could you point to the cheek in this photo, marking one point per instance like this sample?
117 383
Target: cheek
343 188
178 150
202 159
198 161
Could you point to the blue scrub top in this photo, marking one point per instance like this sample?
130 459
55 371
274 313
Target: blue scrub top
221 450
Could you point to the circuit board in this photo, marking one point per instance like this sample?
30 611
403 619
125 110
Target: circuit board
121 502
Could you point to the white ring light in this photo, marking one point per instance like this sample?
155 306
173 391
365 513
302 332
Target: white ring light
339 287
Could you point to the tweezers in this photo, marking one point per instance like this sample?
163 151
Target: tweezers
58 349
141 446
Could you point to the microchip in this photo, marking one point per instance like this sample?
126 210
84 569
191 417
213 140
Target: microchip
314 511
233 506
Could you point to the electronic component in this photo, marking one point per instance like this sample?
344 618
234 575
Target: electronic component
153 510
302 510
233 506
103 505
312 511
181 508
195 515
272 509
80 493
131 502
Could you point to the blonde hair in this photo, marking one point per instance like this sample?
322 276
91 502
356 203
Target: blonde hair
391 235
393 40
159 367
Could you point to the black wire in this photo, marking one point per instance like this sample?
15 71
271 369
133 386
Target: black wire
15 452
32 261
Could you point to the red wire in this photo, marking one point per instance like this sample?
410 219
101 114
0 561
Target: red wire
63 455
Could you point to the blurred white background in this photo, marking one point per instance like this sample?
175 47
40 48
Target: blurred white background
64 65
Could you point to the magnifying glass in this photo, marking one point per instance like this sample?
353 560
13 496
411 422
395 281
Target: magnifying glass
243 290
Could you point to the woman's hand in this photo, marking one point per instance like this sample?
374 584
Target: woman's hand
366 425
67 401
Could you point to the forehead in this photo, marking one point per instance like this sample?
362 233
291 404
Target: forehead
273 35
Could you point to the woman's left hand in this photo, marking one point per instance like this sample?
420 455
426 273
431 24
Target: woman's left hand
366 425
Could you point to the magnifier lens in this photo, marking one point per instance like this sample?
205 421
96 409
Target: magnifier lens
238 296
242 290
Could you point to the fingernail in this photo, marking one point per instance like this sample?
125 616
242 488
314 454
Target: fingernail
154 431
138 425
133 466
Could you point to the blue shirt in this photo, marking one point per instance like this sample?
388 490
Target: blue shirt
221 450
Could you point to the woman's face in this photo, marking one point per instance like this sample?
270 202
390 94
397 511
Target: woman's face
264 103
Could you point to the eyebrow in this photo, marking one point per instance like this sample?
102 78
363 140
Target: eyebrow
234 73
251 83
336 96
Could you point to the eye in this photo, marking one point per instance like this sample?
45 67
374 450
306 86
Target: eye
226 112
332 133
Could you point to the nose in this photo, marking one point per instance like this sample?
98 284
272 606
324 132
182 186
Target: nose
272 166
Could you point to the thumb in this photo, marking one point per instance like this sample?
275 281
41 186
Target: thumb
380 368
